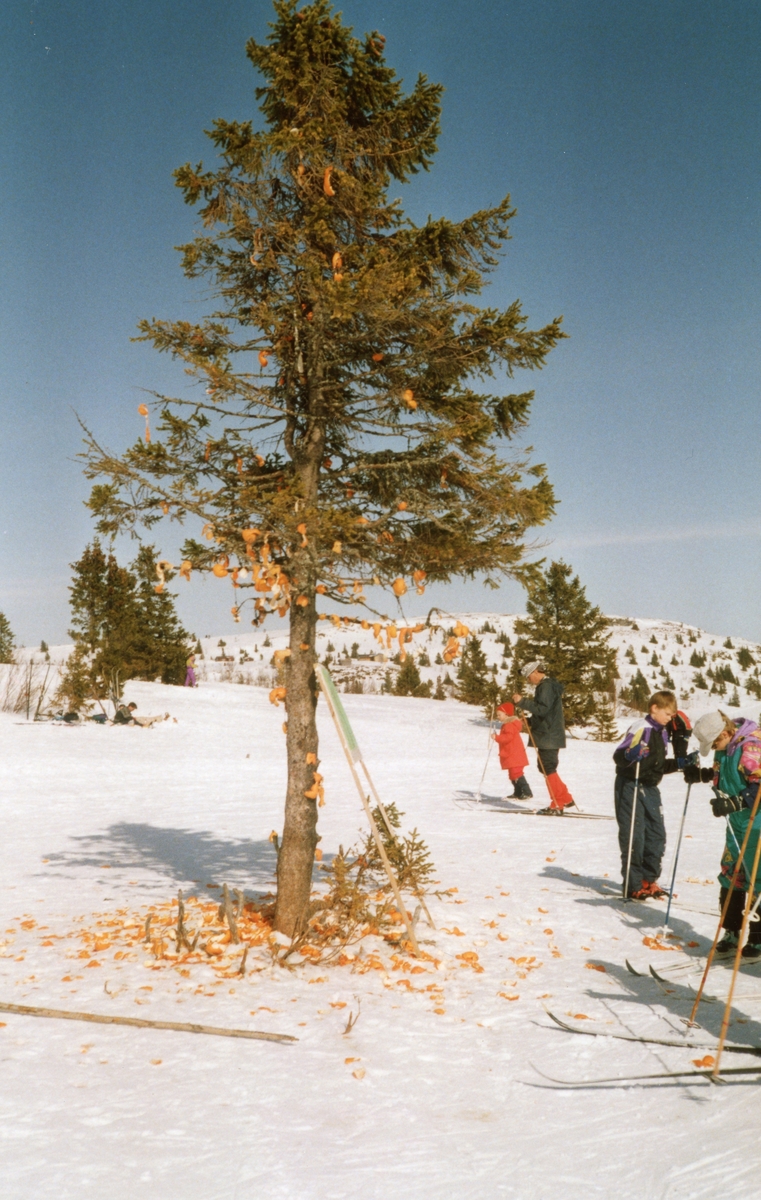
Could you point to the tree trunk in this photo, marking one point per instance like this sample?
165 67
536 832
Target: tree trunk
296 859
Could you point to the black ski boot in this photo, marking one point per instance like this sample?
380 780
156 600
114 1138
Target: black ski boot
751 952
728 944
521 790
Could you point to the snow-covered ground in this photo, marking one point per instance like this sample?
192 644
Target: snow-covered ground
437 1091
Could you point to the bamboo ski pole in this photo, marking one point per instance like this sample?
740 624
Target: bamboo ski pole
321 673
738 953
635 801
676 855
488 754
725 906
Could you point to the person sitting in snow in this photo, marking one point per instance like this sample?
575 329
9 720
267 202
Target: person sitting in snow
512 752
548 732
645 746
736 777
125 715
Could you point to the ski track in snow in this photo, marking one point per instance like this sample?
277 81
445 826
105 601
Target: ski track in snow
449 1105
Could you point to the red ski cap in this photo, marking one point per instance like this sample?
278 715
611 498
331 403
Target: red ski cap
507 709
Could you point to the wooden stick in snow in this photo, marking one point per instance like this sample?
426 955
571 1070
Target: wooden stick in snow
139 1023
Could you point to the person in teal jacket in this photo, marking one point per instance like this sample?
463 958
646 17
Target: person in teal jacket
736 779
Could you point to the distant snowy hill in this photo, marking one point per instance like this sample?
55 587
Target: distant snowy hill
706 670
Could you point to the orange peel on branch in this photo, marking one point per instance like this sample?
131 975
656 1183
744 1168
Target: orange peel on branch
143 410
327 187
460 630
408 396
277 694
302 529
220 568
185 569
263 357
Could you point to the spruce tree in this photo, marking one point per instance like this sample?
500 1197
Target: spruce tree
338 434
162 646
638 692
606 729
7 641
408 681
123 627
570 638
474 683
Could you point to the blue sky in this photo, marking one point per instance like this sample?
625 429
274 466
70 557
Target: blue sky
629 138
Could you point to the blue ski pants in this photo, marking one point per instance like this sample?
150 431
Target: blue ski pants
649 832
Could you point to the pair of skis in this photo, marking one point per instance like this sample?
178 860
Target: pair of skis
707 1072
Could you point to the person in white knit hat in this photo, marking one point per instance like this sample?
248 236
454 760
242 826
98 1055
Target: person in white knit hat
736 746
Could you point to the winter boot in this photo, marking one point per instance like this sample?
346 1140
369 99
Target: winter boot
728 944
521 789
641 893
751 952
653 890
550 811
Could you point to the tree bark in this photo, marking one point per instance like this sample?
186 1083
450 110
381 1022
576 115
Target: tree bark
296 858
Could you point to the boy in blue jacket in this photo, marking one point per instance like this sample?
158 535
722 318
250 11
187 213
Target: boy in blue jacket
645 743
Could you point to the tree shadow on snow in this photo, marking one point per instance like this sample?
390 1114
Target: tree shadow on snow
187 857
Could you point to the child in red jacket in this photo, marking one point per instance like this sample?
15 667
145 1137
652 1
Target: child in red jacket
512 752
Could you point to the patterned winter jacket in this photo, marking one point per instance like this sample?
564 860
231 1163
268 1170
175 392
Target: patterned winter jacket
737 772
737 768
653 762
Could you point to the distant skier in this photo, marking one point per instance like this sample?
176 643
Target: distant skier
548 732
512 752
190 674
646 742
736 777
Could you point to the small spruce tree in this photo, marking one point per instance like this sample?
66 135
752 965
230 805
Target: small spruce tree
637 693
570 638
408 681
473 683
7 641
606 729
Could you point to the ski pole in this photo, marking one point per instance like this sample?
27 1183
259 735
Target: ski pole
488 754
540 764
676 855
725 906
738 953
631 833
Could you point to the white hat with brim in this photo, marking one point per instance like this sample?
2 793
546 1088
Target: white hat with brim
530 668
706 729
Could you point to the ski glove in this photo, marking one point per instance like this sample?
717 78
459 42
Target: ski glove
640 751
695 774
688 760
722 805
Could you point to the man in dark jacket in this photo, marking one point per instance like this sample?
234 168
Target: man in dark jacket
548 732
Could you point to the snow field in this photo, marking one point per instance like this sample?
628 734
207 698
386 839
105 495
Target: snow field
433 1093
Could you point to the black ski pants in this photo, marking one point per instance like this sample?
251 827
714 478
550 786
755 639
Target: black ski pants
649 832
733 919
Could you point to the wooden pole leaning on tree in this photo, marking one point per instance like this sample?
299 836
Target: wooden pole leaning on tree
738 952
353 756
25 1010
725 906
